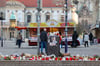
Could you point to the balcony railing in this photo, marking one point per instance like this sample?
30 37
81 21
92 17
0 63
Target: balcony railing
22 24
7 24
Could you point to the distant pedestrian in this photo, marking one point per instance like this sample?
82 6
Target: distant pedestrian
44 38
86 38
91 38
95 40
83 36
19 40
74 39
60 38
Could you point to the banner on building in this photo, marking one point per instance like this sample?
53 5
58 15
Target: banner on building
71 24
52 23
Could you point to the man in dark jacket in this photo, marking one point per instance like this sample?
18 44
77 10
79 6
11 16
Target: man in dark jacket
91 38
74 39
44 38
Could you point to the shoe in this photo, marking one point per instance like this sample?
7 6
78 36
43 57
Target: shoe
66 54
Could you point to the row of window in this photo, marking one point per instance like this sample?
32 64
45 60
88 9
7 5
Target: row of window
34 11
47 17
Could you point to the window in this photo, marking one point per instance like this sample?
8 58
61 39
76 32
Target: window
47 16
42 11
62 18
2 16
57 11
33 11
82 21
16 11
52 11
86 22
7 10
28 18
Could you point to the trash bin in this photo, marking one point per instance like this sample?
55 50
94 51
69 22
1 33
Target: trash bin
53 46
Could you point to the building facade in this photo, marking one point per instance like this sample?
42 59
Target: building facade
96 26
25 12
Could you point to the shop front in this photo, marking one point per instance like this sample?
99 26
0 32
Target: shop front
52 26
96 32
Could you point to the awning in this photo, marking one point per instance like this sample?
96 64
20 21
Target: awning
94 26
51 25
20 28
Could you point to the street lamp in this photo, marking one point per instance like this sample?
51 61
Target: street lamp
66 8
65 3
1 18
39 2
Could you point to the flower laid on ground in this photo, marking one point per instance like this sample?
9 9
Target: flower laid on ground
96 56
25 56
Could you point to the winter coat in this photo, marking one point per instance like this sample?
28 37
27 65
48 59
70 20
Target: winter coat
43 36
74 36
90 37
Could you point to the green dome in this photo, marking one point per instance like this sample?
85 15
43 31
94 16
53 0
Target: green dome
12 16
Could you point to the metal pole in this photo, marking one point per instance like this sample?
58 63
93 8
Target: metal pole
66 45
38 30
1 18
1 33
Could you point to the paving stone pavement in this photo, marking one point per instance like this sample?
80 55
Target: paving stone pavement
10 47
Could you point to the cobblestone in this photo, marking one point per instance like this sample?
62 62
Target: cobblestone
10 47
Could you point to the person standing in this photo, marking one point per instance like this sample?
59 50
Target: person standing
60 38
43 38
74 39
19 40
91 38
86 38
83 37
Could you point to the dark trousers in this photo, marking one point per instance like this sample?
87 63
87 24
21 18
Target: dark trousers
43 43
66 46
19 43
91 42
86 44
